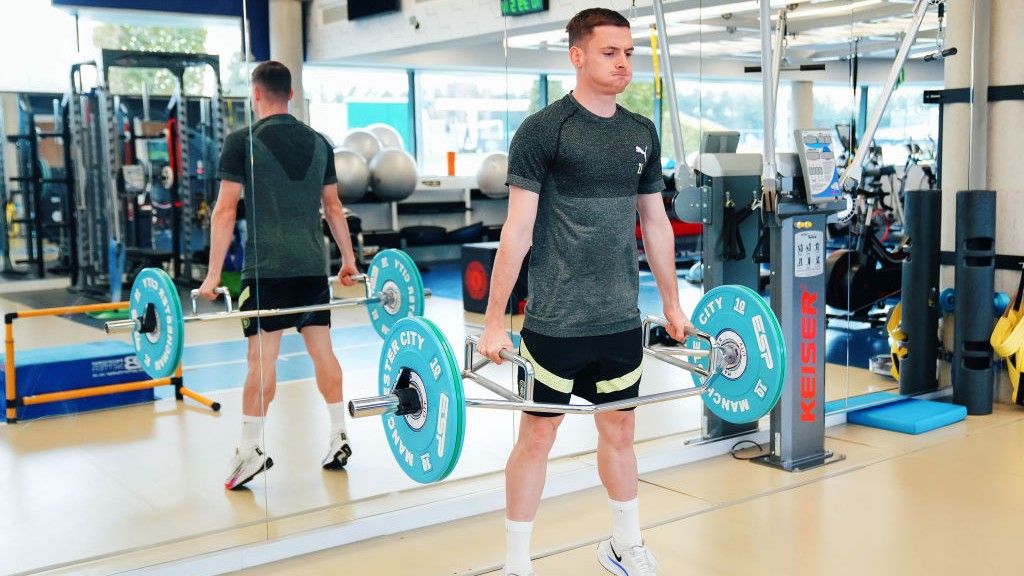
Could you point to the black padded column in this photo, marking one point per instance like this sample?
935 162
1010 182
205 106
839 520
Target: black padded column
920 291
973 376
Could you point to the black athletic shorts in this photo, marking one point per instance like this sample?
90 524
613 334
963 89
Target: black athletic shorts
284 293
596 368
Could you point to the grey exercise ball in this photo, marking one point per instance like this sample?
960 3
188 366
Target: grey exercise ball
363 142
388 136
353 175
490 177
393 175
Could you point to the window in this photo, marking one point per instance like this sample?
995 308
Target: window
472 115
342 99
41 64
908 120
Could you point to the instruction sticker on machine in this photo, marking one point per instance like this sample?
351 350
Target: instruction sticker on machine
809 253
817 155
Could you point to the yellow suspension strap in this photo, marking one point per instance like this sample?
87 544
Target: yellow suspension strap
897 339
1008 342
656 64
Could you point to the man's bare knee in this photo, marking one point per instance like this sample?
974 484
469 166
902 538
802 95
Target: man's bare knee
537 434
616 429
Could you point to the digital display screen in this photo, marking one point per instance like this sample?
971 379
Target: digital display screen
520 7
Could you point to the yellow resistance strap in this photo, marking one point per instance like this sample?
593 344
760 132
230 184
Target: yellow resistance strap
897 339
1008 342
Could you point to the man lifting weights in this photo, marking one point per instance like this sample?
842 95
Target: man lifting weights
579 171
287 171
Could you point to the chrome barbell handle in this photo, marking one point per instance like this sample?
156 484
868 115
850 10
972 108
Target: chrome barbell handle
470 368
336 279
659 321
668 354
219 290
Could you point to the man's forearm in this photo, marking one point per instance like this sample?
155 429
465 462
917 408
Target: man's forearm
507 264
659 245
222 229
339 230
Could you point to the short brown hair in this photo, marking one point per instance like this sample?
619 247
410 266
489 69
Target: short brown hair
582 24
273 77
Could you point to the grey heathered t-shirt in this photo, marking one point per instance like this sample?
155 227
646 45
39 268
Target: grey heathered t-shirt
588 170
283 194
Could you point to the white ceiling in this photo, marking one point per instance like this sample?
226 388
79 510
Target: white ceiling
817 30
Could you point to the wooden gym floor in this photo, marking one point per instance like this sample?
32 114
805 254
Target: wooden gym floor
131 487
949 502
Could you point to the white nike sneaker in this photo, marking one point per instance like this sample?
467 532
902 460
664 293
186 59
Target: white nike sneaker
633 561
338 453
245 466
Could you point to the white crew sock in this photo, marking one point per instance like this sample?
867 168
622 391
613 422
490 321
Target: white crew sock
252 429
517 547
626 523
337 413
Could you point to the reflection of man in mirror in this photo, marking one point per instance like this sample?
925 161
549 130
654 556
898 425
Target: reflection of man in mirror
287 172
574 192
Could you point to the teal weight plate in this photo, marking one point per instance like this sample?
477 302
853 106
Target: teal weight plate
740 321
159 351
426 445
393 272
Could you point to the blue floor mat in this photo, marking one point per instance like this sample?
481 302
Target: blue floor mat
909 416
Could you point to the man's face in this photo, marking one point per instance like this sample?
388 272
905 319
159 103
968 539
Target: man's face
605 59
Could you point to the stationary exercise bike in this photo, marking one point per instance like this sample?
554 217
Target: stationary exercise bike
868 272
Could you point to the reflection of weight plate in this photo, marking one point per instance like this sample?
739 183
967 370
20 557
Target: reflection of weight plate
749 380
394 275
158 350
426 445
167 177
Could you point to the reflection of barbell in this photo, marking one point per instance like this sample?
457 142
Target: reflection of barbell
394 290
736 362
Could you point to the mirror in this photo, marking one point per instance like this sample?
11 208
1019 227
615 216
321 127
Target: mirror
114 154
866 253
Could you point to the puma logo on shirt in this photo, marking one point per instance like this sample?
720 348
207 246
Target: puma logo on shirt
640 165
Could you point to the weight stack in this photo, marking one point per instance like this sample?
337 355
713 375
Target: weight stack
973 375
920 289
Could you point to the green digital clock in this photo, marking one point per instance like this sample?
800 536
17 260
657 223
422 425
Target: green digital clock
520 7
